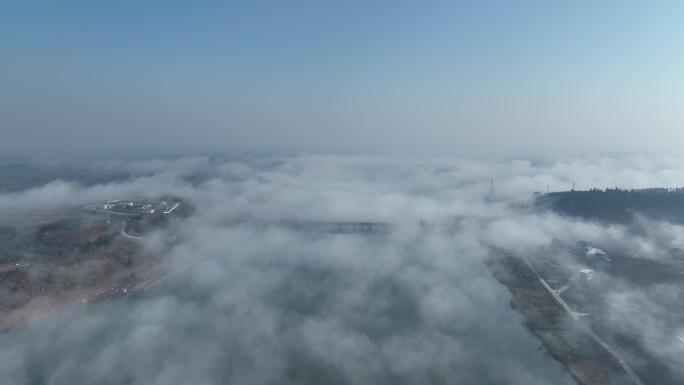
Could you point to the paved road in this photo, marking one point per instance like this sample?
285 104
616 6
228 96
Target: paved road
172 208
96 209
572 279
124 224
575 315
556 295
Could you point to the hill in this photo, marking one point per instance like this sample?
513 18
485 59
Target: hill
616 205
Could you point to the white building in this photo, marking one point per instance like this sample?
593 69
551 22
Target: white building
598 259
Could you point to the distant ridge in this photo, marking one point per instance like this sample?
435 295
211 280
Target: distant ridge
617 205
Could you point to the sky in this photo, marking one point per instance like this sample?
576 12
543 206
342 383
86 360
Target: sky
485 79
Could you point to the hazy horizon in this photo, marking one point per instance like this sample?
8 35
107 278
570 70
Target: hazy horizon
310 192
494 80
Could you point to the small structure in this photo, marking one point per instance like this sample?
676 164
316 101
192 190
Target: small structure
595 251
587 273
598 259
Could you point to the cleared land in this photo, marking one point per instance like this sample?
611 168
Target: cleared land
71 258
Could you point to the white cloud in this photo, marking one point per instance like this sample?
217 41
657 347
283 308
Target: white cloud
266 304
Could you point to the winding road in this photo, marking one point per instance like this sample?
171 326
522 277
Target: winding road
124 224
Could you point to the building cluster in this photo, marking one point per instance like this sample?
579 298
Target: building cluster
133 207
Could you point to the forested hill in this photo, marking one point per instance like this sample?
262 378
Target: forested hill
616 205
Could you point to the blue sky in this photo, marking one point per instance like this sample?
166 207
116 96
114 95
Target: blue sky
508 78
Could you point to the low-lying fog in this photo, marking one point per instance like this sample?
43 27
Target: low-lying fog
266 304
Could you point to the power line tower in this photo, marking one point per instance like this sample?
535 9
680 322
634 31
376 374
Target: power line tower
491 187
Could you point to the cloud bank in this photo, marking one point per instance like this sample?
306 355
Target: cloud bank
266 304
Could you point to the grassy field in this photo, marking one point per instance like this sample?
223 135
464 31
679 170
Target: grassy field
575 343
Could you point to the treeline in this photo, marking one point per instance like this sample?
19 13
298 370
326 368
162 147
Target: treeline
618 205
652 190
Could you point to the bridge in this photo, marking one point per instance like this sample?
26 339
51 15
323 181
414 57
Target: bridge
339 227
